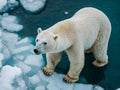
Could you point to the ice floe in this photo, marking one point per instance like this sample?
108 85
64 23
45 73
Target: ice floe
33 5
10 77
6 5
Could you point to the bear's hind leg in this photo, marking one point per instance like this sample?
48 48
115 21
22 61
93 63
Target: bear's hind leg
101 44
52 60
101 56
76 58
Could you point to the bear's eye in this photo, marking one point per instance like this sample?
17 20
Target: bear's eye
37 40
45 43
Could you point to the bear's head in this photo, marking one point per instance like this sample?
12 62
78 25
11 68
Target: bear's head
45 42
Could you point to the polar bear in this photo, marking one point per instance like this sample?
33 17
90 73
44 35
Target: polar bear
88 29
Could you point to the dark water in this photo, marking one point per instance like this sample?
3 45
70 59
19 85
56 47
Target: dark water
108 76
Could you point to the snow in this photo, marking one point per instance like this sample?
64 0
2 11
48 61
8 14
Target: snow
33 5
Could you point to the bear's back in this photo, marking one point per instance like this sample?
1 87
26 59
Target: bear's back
89 12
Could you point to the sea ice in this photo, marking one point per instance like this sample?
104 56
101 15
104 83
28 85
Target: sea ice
6 5
22 49
2 4
10 77
34 79
19 57
41 87
25 68
5 51
7 43
55 82
10 23
1 58
34 60
66 12
24 41
96 87
9 40
33 5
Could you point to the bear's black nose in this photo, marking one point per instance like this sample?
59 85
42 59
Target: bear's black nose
36 51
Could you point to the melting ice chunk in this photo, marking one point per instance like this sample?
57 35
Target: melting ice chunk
24 41
34 79
66 12
6 5
1 58
2 4
9 39
10 77
10 23
22 49
55 82
96 87
41 87
33 5
25 68
34 60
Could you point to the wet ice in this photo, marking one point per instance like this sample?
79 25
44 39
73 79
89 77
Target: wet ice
33 5
9 76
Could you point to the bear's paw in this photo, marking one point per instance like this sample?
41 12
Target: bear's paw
98 63
47 71
69 79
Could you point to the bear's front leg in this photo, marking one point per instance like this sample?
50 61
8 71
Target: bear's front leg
52 61
76 57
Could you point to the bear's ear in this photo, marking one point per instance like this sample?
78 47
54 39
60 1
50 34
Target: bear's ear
39 30
55 36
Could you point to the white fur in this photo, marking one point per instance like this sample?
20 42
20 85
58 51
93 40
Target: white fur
89 28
